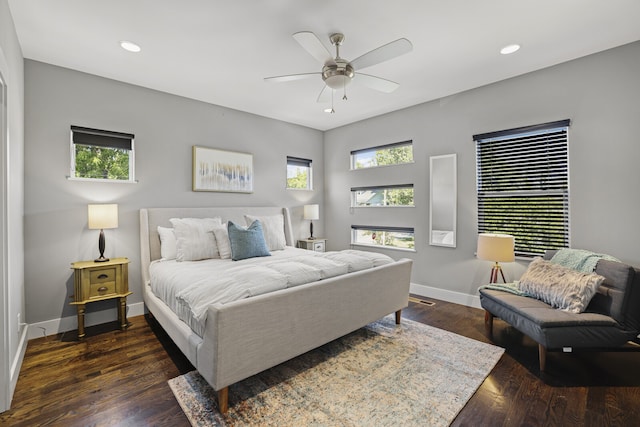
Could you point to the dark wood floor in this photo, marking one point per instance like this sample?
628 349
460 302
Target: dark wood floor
120 378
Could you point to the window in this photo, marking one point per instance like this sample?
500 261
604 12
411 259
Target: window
383 155
387 237
299 173
523 186
101 154
384 195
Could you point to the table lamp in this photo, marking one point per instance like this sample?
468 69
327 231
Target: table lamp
497 248
311 212
101 217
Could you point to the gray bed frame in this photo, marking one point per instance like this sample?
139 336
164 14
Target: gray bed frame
248 336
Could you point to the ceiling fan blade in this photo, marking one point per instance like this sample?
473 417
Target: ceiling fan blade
325 95
312 44
290 77
383 53
377 83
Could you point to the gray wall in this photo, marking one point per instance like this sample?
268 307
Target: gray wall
12 302
599 93
165 127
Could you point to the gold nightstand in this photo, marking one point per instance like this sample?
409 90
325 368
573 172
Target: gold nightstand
97 281
318 245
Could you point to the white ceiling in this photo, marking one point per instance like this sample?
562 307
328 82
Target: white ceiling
220 51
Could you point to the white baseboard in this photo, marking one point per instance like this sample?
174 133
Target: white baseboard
445 295
70 323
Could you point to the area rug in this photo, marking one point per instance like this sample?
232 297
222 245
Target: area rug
379 375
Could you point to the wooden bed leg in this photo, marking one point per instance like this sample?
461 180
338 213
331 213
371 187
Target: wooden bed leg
223 400
398 316
488 323
542 356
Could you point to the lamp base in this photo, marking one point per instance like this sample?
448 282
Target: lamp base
101 245
494 274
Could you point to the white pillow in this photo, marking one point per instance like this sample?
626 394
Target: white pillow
272 228
194 238
167 243
222 240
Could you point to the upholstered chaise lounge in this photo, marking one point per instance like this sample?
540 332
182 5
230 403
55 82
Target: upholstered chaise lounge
611 319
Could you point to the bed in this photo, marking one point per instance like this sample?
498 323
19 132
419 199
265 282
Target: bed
247 336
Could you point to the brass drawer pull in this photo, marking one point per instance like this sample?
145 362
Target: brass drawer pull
102 288
103 276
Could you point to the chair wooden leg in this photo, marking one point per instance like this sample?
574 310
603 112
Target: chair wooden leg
223 400
398 316
488 323
542 357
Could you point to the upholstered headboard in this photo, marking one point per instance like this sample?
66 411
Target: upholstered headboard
151 218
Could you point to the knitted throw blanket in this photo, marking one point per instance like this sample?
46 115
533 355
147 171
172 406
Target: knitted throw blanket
579 259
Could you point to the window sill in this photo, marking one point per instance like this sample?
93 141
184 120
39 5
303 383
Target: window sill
115 181
392 248
382 166
398 206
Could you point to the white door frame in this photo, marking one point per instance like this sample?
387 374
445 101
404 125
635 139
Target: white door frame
5 357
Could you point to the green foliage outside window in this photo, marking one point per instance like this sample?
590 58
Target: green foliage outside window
400 197
101 163
298 178
386 238
384 157
394 156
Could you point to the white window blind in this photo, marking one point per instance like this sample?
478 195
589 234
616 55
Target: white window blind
523 186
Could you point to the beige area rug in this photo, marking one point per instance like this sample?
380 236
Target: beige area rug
379 375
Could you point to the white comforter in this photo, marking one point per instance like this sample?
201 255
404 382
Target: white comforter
188 288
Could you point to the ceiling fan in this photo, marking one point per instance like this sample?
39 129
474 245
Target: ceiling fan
337 72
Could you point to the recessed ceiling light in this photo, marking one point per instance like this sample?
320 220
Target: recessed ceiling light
130 46
510 49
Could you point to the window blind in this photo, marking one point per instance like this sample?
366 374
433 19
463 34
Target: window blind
382 187
298 161
102 138
523 186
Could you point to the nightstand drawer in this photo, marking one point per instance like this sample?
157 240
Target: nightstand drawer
318 245
102 275
102 289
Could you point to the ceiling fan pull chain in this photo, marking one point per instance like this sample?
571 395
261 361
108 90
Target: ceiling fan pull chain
344 87
332 110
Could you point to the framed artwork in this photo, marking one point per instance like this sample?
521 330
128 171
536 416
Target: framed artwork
220 170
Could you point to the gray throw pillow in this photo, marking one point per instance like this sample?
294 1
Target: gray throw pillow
558 286
247 242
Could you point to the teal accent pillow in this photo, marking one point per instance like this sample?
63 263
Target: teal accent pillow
247 242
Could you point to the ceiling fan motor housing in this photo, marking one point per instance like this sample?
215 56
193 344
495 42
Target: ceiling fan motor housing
337 75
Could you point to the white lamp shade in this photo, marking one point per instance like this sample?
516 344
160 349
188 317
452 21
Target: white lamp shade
312 212
103 216
496 247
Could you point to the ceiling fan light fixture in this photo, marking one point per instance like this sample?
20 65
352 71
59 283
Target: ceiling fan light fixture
338 75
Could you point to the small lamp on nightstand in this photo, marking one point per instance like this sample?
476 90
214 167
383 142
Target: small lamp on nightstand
101 217
496 248
311 212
